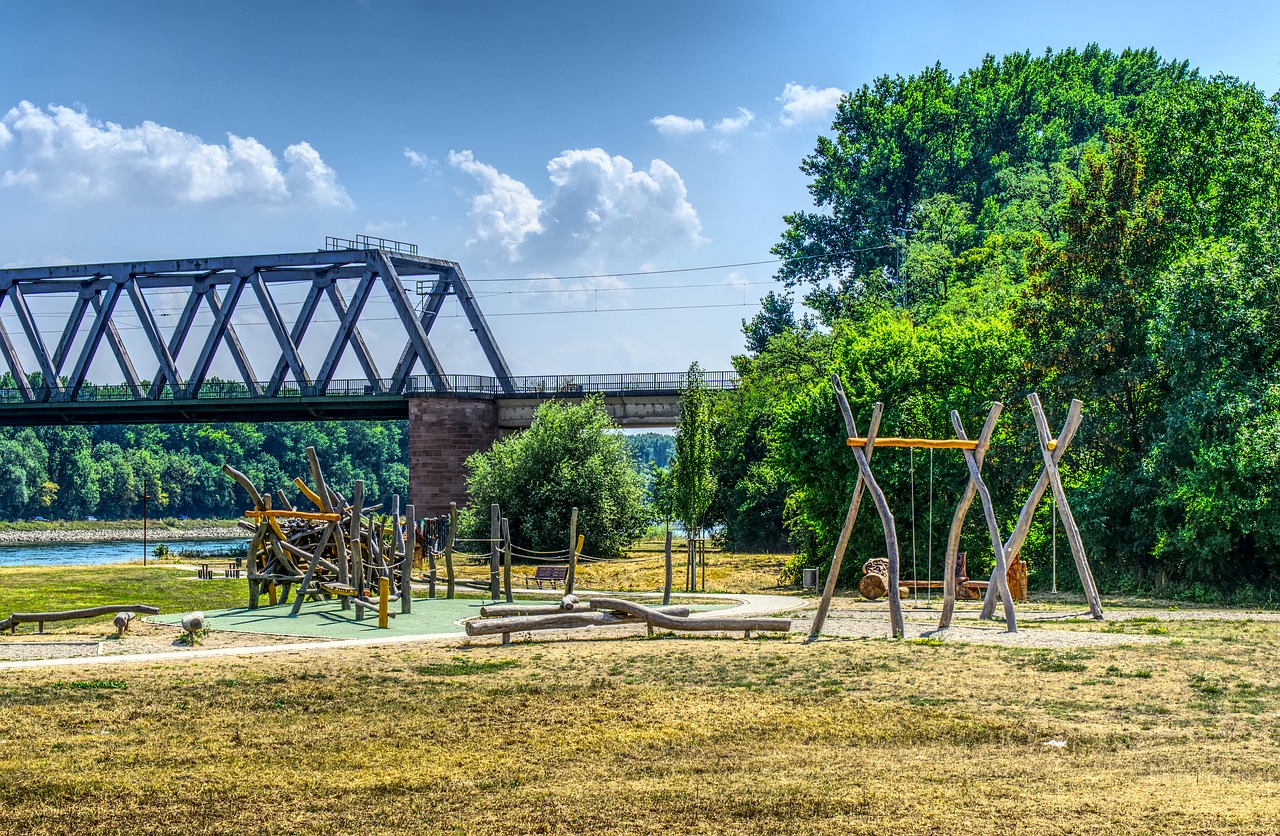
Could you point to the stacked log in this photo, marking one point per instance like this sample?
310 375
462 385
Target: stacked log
339 549
875 581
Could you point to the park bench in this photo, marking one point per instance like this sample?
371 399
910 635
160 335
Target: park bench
549 574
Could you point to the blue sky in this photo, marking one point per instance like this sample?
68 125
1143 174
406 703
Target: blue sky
534 143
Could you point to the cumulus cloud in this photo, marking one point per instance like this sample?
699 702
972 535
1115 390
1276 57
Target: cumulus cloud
506 211
63 154
733 124
672 125
807 104
598 205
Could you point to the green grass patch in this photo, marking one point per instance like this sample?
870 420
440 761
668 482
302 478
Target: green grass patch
47 589
462 666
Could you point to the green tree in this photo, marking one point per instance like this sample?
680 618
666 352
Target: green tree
571 456
695 482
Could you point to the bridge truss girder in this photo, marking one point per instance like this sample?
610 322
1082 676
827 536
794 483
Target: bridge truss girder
220 284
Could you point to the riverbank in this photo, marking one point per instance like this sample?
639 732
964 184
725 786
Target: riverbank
118 531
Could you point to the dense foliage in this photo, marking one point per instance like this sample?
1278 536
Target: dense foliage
69 472
1082 224
571 456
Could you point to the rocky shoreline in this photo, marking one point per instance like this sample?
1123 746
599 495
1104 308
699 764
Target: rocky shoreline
108 535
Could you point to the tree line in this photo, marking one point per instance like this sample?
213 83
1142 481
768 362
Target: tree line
1081 224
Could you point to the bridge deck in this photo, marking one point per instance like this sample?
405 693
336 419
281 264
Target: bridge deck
343 399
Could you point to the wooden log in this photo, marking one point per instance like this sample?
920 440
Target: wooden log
71 615
666 584
922 443
667 622
121 622
193 622
384 601
495 531
1013 546
882 506
448 548
506 610
357 556
957 524
559 621
246 484
1064 510
842 543
574 548
999 576
506 558
406 565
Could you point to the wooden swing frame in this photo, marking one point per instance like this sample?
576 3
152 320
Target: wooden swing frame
974 452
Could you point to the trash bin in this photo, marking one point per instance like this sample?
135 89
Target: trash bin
809 578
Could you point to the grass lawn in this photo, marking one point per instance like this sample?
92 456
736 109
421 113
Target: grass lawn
42 589
670 734
658 735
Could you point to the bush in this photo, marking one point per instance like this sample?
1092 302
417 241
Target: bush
570 457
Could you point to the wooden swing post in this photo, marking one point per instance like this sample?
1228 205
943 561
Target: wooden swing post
979 451
999 578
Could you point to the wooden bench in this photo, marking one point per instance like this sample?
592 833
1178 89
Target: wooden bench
549 574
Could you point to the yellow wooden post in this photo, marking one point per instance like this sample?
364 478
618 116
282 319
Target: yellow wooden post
384 596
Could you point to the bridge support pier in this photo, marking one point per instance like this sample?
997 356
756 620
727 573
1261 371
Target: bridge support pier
442 433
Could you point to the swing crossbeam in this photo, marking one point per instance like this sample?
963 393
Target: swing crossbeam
923 443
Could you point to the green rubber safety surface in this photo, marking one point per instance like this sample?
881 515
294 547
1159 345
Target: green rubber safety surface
327 619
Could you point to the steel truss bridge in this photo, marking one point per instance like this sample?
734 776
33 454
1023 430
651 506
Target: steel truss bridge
346 276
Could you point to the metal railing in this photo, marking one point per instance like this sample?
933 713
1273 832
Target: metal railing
370 242
531 386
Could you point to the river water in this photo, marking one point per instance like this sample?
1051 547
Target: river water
122 551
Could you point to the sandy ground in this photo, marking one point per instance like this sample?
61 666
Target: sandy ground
142 637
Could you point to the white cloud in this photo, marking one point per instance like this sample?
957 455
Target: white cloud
419 160
671 125
63 154
807 104
733 124
506 210
599 206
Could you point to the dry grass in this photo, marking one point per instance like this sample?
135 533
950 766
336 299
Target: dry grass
643 568
681 735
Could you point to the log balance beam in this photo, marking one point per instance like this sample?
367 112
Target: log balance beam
11 623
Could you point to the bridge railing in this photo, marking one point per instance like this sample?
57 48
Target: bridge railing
534 386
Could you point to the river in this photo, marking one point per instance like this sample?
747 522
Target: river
120 551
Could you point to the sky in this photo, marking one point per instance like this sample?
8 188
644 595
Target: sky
610 176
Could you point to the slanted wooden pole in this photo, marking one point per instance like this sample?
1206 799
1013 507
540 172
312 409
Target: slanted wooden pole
1064 509
1000 575
842 543
886 516
406 566
506 558
495 531
574 547
1020 530
666 585
357 556
429 551
448 548
957 524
